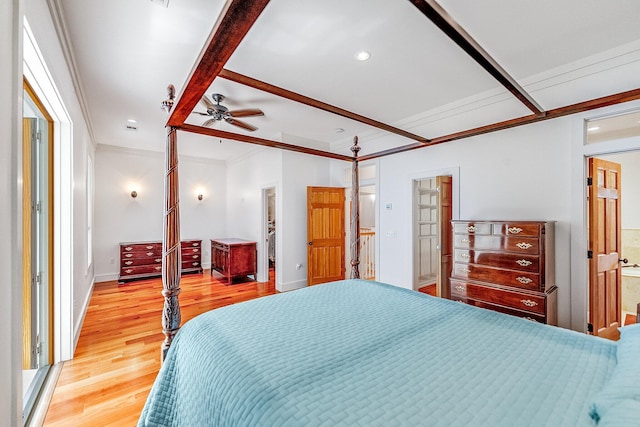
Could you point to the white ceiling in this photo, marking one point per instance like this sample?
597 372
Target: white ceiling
127 51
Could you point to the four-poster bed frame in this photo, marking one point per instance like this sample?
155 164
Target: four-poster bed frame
236 19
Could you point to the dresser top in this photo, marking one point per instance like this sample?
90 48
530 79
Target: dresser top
233 241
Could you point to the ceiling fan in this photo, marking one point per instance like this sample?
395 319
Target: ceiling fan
219 112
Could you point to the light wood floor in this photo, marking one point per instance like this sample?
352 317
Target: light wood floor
118 352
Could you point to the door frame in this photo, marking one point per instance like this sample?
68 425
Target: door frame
454 173
579 236
263 247
37 74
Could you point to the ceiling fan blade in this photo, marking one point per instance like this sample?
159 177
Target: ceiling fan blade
207 103
201 113
241 124
209 122
247 112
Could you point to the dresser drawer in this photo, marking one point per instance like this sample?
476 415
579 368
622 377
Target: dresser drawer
524 245
190 264
472 228
506 310
528 263
516 229
517 279
140 247
130 262
508 298
148 256
191 244
141 269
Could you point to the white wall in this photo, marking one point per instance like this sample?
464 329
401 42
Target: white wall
289 173
299 171
121 218
10 244
246 178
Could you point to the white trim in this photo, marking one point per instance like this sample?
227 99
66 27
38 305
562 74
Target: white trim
85 307
38 75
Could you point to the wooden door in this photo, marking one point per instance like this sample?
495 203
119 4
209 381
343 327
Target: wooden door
445 247
325 234
604 248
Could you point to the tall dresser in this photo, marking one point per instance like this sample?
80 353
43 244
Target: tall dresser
506 266
142 260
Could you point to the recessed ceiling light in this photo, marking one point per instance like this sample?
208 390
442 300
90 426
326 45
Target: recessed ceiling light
593 128
363 55
132 121
339 130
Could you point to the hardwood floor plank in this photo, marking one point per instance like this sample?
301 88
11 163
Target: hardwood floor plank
118 353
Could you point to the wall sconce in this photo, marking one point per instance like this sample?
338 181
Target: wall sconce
134 194
200 197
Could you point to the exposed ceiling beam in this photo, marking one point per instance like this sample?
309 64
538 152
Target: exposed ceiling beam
260 141
605 101
235 20
293 96
432 10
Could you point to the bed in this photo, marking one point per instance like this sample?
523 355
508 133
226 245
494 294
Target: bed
359 352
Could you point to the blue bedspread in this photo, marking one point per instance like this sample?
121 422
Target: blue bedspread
364 353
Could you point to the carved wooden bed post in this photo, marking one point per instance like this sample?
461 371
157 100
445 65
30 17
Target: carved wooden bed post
171 238
355 212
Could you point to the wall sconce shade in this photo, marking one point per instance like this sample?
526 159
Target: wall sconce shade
134 194
200 196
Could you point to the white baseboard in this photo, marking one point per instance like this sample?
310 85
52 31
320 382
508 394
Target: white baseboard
291 286
106 277
78 327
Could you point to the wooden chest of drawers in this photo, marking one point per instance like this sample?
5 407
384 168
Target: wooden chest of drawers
507 266
233 258
141 260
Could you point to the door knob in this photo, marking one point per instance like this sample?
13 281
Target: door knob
309 243
624 260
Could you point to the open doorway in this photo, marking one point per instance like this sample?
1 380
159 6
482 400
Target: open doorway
432 251
625 269
268 259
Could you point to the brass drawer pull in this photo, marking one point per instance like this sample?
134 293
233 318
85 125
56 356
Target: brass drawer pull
195 244
465 255
128 255
128 271
531 319
194 250
464 240
158 260
195 256
524 280
195 264
524 245
465 270
149 247
149 253
129 262
158 268
528 302
471 229
524 262
514 230
128 248
460 288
